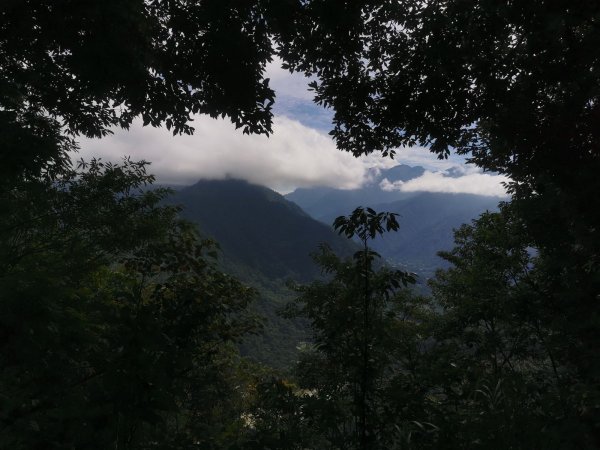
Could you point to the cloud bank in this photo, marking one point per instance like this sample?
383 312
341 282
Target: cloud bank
300 153
294 156
470 182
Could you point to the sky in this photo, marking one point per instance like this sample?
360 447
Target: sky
299 153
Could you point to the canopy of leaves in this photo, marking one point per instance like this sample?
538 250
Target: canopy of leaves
514 86
508 81
83 67
509 363
357 325
116 329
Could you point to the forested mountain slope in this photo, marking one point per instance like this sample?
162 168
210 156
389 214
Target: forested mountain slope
427 219
258 227
265 241
325 203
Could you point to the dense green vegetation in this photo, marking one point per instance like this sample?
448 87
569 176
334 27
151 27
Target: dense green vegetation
265 242
117 329
478 365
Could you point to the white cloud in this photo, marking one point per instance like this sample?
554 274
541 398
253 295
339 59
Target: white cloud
288 84
293 99
293 156
298 154
472 182
421 156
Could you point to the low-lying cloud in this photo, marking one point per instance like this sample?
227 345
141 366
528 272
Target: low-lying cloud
299 153
293 156
471 182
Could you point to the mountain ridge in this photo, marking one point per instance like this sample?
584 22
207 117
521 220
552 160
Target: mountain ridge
427 219
266 240
258 227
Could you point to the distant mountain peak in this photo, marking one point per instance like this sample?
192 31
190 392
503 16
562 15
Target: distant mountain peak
402 172
258 227
454 172
427 218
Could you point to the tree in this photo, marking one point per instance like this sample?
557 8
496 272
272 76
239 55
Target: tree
508 381
486 77
80 68
367 224
515 87
352 317
277 415
117 330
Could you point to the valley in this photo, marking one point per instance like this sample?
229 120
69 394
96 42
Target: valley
266 239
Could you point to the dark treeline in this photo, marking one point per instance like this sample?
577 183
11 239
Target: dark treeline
119 330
